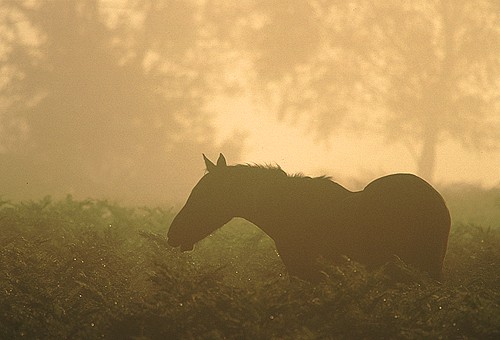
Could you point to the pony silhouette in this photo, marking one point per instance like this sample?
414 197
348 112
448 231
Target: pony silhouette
308 218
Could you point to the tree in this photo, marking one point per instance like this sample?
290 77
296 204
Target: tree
101 106
425 70
446 62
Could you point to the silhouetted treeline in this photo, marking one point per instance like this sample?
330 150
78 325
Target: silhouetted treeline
107 97
95 106
418 72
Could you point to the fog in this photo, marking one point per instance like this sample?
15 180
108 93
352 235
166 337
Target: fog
118 99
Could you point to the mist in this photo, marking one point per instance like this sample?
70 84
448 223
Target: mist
300 125
118 99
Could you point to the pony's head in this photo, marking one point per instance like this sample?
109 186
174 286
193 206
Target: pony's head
207 208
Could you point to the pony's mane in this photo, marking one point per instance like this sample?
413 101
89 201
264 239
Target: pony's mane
264 168
277 170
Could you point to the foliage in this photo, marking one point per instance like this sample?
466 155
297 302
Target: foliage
468 205
90 269
417 72
98 96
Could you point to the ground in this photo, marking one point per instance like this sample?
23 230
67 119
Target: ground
94 269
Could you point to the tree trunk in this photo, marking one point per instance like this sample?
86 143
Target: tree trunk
439 102
427 158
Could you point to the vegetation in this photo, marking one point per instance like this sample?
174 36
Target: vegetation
94 269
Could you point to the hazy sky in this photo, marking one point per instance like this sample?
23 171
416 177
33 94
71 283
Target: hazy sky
346 156
120 98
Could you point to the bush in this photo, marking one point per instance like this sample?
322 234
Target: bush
93 269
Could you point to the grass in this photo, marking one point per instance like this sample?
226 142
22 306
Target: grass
92 269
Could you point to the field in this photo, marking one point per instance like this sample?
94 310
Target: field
94 269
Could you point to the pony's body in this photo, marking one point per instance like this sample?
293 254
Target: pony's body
308 218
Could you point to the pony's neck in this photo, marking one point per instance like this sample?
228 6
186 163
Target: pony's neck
271 199
258 198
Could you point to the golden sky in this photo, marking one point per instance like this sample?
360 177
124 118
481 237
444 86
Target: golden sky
121 98
346 157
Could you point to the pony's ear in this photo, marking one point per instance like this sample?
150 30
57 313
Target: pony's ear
208 163
221 161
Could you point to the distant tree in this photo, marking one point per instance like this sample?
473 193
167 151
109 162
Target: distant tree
431 67
444 82
98 100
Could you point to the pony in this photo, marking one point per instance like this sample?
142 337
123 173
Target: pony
309 218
